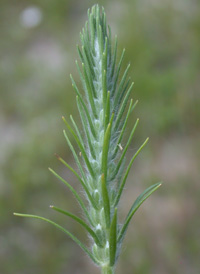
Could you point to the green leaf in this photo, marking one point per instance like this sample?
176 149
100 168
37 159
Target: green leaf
88 60
114 57
101 39
77 130
107 112
104 88
75 156
64 230
90 92
106 201
75 194
80 180
84 106
120 112
113 238
140 199
104 23
127 172
81 148
126 147
109 46
91 26
82 80
106 144
117 71
124 89
124 125
86 129
119 90
104 72
80 221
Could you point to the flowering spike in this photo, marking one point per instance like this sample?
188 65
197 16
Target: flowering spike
102 105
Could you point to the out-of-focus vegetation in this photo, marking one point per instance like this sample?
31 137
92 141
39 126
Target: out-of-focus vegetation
37 50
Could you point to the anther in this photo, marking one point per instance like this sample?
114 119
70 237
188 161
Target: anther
98 227
120 147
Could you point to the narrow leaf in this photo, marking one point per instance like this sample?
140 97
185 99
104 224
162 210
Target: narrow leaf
106 201
114 57
80 180
105 55
122 108
87 60
80 221
75 194
113 238
81 147
62 229
106 144
75 156
107 111
127 172
104 88
117 71
84 106
141 198
86 129
92 30
124 126
90 92
121 84
77 130
126 147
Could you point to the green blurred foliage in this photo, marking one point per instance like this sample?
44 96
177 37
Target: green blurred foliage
162 43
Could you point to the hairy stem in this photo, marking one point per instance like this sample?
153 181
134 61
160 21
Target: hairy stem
107 270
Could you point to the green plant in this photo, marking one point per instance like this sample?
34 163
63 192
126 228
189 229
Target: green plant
104 111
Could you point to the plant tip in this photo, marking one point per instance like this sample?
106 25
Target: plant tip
104 110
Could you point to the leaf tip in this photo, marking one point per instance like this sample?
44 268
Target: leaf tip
57 156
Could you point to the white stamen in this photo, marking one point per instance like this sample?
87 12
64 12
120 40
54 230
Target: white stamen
98 227
120 147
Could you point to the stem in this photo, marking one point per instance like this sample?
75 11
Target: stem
107 270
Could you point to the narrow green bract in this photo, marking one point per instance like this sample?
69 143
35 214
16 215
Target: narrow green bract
102 101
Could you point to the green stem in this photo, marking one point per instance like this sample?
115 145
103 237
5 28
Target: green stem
107 269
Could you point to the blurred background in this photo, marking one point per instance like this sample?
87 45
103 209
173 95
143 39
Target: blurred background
38 50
